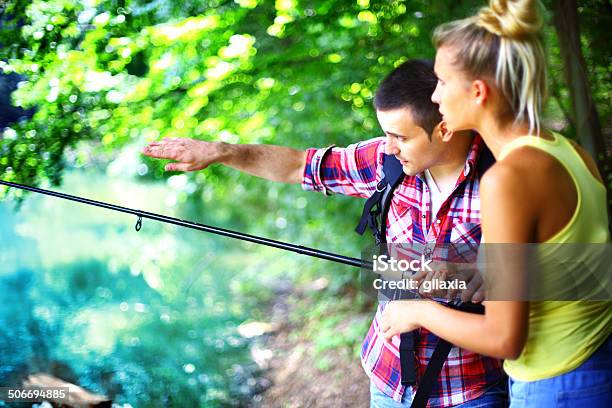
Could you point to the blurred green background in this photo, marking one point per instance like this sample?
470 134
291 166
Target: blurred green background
85 85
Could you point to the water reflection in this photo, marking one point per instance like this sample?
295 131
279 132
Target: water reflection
140 317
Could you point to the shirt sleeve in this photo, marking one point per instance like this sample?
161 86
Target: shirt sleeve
354 170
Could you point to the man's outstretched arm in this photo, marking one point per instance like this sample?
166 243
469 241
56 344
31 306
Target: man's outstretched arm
276 163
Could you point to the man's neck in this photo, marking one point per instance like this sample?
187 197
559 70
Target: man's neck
446 176
446 173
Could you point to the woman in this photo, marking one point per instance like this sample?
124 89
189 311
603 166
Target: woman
543 189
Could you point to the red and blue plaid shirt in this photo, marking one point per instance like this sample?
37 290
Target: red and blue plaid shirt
355 171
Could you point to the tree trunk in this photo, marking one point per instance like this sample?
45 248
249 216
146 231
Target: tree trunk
585 117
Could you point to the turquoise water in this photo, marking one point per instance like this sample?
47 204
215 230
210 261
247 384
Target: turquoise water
148 318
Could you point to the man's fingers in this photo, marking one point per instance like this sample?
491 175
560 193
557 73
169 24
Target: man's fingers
161 151
162 147
388 334
451 293
423 287
419 275
479 296
178 167
157 150
438 277
473 287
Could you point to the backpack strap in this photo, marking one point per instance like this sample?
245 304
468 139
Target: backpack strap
374 216
376 207
439 356
394 173
485 160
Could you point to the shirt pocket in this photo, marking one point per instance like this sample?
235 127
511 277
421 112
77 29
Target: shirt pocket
464 241
466 233
399 222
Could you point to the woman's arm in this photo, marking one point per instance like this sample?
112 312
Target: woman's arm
500 332
508 217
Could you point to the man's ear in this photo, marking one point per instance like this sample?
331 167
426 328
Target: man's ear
445 134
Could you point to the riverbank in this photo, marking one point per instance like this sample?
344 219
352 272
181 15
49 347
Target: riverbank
310 355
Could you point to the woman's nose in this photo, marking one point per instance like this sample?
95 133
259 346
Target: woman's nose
435 96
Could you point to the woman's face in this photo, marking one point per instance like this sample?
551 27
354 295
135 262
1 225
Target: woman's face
453 93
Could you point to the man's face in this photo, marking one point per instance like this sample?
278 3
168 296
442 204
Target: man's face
452 92
408 141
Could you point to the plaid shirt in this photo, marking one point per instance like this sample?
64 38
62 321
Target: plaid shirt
355 171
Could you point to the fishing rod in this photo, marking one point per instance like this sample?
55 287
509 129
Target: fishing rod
302 250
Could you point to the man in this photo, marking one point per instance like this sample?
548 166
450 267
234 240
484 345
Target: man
437 202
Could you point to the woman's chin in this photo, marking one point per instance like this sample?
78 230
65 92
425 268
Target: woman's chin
456 127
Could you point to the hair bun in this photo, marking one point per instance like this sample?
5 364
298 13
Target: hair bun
511 18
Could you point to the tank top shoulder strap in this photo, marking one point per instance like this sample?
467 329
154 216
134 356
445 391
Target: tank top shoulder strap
532 141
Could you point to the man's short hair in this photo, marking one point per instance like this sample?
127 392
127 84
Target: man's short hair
411 85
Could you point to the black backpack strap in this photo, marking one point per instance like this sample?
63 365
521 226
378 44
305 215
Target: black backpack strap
439 356
485 160
394 173
375 210
371 210
432 372
408 369
374 216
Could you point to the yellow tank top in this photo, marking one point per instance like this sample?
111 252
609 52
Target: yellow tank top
563 334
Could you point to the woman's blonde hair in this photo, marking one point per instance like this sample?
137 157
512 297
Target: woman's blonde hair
502 42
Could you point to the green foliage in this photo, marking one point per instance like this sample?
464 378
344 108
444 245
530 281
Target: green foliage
121 72
114 73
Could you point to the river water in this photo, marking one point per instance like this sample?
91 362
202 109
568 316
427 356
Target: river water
141 317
